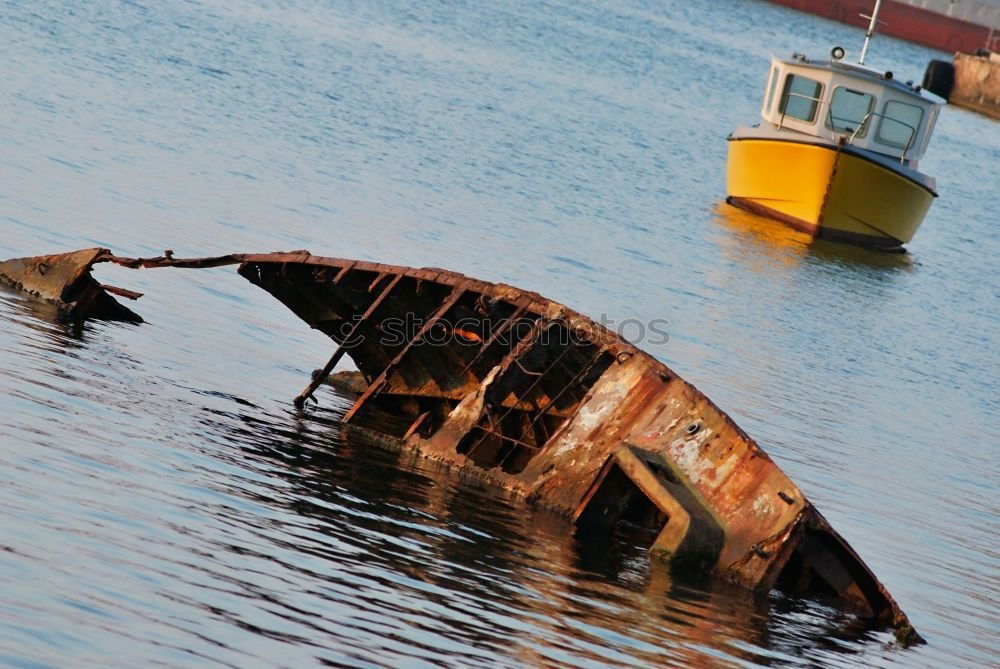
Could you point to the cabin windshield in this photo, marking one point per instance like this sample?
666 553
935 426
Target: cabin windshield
801 97
849 109
899 124
841 104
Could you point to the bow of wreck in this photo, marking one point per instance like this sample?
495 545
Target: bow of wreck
541 400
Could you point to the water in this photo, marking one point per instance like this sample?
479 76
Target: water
163 503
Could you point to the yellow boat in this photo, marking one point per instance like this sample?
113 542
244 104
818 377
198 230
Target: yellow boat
836 152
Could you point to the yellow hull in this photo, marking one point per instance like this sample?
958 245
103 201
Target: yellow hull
830 195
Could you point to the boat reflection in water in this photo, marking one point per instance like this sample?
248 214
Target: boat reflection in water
771 244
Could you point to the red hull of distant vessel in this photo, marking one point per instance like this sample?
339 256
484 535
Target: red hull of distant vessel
914 24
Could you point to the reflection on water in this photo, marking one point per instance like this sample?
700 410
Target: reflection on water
778 243
164 504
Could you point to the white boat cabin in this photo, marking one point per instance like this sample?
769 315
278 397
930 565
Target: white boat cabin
832 99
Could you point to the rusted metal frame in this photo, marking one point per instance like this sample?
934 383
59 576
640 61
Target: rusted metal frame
856 582
481 306
123 292
538 377
575 393
508 322
793 536
502 437
523 346
539 426
430 363
343 272
378 278
343 292
465 349
549 380
443 277
490 431
569 372
446 364
355 296
525 371
527 394
455 395
531 302
433 275
313 298
416 372
820 541
503 328
168 260
308 391
415 425
438 372
513 449
375 385
373 354
579 375
310 301
283 272
601 475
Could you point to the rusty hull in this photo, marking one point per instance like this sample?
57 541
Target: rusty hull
64 280
543 401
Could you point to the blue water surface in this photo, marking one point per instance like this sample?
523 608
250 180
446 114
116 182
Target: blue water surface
163 504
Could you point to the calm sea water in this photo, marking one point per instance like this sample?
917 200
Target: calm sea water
163 504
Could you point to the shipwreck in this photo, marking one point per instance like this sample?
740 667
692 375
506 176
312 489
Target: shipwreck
540 400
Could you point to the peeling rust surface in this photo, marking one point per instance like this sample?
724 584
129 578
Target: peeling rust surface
542 401
64 280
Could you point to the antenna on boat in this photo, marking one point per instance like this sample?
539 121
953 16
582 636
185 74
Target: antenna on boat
871 30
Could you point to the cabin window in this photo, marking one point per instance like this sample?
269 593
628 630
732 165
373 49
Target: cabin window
929 129
770 92
899 124
848 110
800 98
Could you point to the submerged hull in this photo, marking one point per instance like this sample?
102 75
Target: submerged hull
546 403
825 191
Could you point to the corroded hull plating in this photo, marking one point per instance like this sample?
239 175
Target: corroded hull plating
543 401
827 193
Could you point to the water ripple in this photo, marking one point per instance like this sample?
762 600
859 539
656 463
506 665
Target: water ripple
163 504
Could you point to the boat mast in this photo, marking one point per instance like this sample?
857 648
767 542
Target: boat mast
871 30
